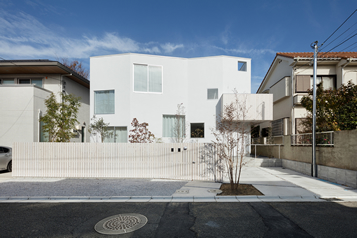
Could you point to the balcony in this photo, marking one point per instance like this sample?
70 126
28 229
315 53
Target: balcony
258 107
281 89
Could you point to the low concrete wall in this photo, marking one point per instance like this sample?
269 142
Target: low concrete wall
341 176
342 155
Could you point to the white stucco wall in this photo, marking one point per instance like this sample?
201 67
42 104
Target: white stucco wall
184 81
19 113
21 104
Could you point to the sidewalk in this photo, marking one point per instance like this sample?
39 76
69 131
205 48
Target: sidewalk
277 185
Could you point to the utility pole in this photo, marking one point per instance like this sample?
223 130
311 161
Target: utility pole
314 166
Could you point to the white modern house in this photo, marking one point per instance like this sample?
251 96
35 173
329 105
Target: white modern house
24 87
290 76
149 88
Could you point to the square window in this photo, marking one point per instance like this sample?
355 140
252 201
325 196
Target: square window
147 78
242 66
212 93
104 102
197 130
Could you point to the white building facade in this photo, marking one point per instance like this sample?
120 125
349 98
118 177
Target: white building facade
149 88
24 87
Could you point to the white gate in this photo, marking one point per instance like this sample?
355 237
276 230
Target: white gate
186 161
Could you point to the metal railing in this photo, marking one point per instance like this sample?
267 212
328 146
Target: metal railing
273 140
322 139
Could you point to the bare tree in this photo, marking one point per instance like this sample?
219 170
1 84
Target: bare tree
180 125
75 65
232 138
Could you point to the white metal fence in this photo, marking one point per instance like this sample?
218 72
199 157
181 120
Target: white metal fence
188 161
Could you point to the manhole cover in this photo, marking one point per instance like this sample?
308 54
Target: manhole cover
121 224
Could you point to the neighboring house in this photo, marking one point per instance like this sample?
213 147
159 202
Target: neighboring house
149 88
290 76
24 87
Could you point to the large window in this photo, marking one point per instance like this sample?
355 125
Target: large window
212 93
104 102
147 78
118 135
304 82
173 126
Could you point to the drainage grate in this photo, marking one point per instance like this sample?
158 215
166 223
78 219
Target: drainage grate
182 191
121 224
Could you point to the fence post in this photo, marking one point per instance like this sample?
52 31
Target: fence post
255 151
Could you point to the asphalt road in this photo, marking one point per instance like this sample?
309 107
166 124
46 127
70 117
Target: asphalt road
319 219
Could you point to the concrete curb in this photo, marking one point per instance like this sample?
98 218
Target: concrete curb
61 199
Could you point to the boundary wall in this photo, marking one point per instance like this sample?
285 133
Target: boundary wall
187 161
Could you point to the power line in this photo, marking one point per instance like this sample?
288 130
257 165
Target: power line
339 27
349 46
338 45
339 36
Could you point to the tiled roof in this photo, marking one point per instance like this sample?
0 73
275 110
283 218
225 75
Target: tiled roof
343 55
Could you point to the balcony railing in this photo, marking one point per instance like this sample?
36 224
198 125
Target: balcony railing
322 139
273 140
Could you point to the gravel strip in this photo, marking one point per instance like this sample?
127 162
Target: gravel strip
89 187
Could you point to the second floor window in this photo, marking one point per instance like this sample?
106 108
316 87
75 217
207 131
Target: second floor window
104 102
304 82
147 78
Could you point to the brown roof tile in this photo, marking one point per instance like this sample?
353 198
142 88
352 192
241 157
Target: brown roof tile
340 55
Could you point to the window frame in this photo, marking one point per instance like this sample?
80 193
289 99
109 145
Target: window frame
311 78
208 94
94 102
191 130
183 117
148 78
244 64
2 81
114 131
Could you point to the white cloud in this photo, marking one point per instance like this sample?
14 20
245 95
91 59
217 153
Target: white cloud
23 36
169 48
248 51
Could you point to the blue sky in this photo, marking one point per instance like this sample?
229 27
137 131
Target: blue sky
74 29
